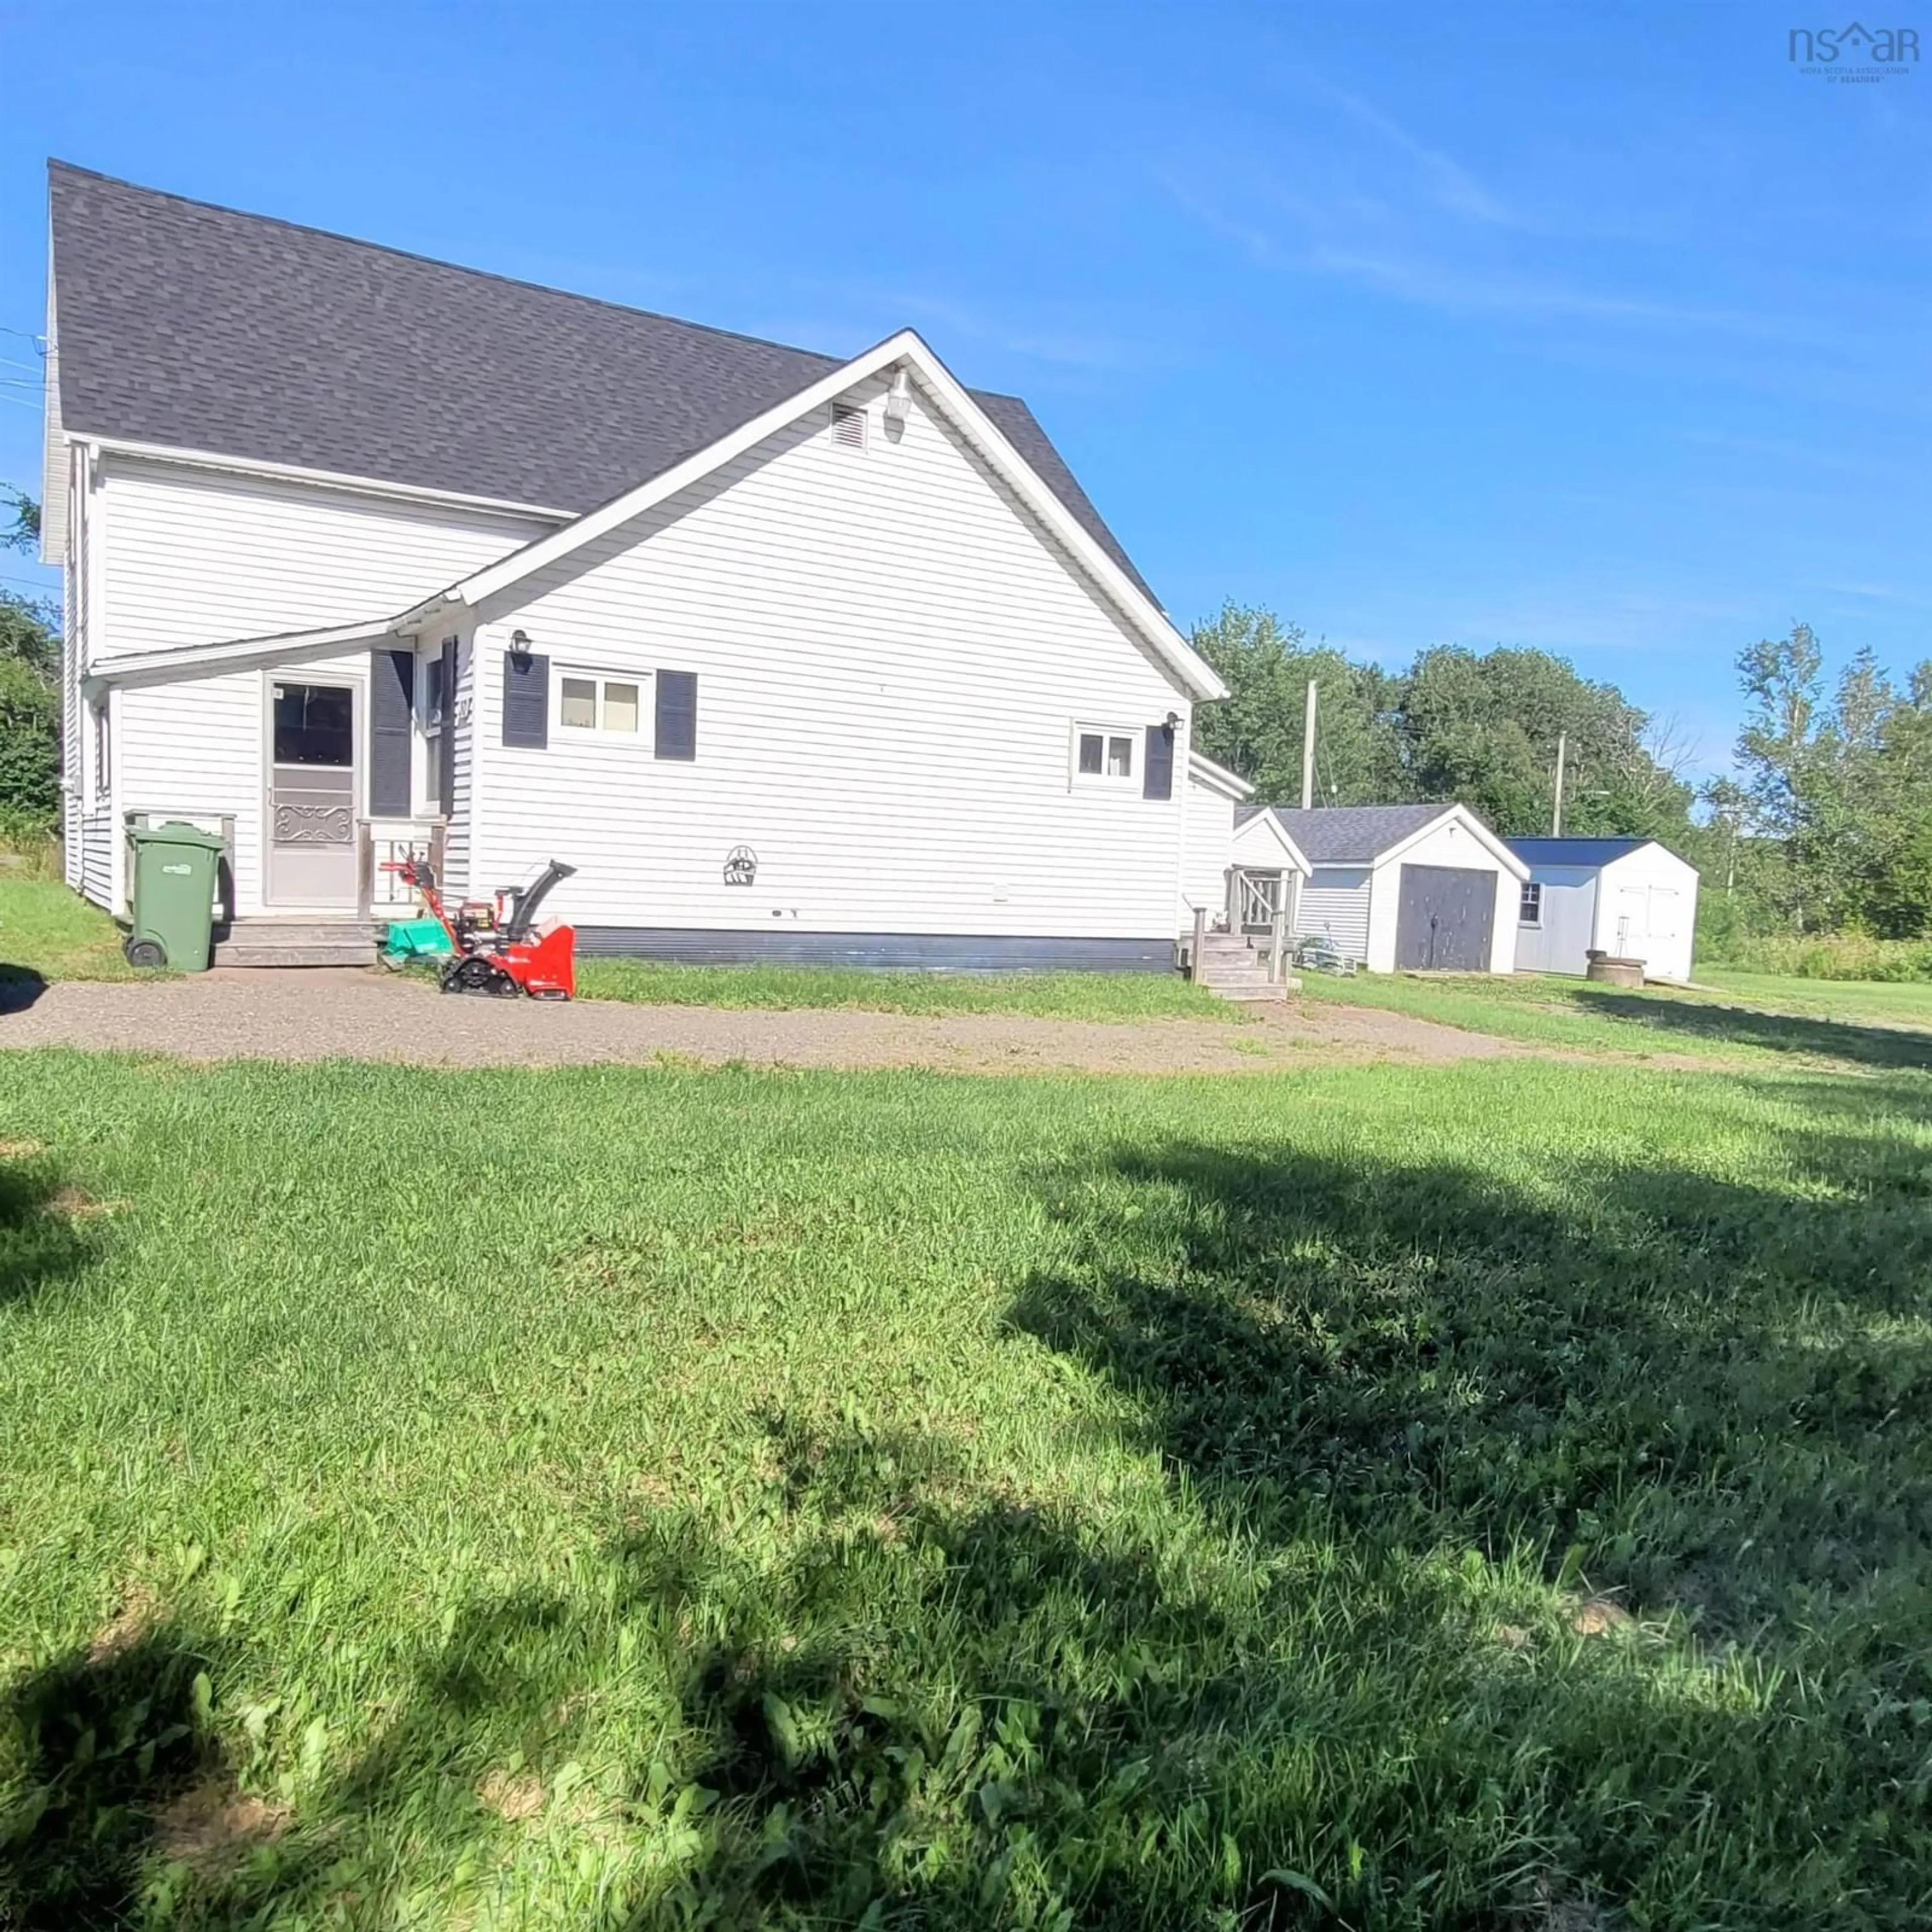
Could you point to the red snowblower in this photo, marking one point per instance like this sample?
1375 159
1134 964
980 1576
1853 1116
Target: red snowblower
492 949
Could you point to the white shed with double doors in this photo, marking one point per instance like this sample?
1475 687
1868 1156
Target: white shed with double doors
1630 897
1421 888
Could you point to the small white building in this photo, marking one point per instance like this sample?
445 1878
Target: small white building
1401 888
1629 897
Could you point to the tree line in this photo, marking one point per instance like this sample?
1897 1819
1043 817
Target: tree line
1825 828
29 688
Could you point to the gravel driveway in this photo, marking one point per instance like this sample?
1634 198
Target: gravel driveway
361 1014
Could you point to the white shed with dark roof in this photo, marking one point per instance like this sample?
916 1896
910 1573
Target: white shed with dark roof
1424 888
1630 897
792 658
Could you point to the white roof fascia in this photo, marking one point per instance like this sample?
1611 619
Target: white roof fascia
1218 777
326 479
159 666
1470 822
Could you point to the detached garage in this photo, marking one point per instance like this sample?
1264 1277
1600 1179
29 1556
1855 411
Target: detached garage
1631 898
1424 888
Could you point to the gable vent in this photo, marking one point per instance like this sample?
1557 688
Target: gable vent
848 426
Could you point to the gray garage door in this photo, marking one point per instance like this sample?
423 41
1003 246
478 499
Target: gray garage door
1445 919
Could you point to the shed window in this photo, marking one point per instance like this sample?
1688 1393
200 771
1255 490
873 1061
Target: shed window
1531 911
606 704
1104 756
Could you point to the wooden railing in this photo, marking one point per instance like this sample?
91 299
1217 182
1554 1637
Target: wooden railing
1258 900
385 842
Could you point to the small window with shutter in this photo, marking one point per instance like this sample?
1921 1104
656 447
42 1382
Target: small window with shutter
590 704
1106 755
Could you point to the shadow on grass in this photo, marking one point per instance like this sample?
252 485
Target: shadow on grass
104 1741
45 1232
902 1704
1885 1047
1318 1676
1699 1384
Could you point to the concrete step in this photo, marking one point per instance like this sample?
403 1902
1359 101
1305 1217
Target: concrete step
295 956
298 942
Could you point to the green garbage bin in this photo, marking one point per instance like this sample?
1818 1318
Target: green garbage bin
177 870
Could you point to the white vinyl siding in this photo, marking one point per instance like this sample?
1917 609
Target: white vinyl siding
1647 908
1559 943
73 649
890 656
1334 905
1208 852
196 557
196 749
202 556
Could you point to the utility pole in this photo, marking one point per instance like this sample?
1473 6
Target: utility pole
1308 750
1556 811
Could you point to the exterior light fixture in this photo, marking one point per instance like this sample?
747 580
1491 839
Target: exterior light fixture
898 399
519 644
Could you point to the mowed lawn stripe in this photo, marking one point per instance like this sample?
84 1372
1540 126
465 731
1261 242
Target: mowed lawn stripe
583 1497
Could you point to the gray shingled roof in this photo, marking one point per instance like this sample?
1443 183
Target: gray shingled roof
188 325
1348 835
1573 851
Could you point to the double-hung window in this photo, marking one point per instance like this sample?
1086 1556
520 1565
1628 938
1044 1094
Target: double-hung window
1530 908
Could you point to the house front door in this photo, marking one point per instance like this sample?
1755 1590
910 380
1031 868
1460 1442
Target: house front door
312 790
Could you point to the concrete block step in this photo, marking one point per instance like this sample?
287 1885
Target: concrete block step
232 955
298 942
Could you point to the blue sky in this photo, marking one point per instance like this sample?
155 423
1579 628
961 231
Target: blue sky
1598 327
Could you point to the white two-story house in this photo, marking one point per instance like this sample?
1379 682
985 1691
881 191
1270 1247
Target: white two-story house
790 658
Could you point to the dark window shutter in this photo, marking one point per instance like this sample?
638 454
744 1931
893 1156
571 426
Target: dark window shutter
392 692
1157 774
445 745
677 733
527 701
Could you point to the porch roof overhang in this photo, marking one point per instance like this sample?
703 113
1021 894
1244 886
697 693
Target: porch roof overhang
236 654
1218 777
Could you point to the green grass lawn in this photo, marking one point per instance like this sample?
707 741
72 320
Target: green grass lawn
45 930
1864 1002
1476 1497
1081 996
1751 1021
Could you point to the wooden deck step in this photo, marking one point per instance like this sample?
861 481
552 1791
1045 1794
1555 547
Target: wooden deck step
1235 970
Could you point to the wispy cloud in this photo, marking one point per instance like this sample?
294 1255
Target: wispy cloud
1353 195
1448 184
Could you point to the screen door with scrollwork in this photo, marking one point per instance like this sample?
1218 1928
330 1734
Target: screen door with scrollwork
312 795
